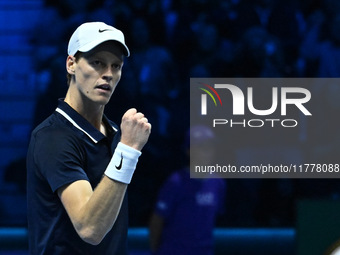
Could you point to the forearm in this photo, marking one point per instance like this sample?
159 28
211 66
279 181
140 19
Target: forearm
102 208
93 212
98 215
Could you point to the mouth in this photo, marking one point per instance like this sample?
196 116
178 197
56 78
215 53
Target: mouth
104 87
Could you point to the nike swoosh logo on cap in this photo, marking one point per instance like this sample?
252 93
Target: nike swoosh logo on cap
121 163
103 30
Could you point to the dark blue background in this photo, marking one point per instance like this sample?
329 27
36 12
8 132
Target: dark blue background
170 41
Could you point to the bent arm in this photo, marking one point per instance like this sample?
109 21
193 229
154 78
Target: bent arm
93 212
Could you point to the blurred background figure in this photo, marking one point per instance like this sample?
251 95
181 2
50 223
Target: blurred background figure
320 48
186 209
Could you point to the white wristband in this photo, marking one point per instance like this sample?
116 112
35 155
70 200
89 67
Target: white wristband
123 163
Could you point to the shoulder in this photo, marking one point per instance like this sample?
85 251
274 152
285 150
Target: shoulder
53 127
53 134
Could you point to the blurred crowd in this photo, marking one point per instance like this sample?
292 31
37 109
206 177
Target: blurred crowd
173 40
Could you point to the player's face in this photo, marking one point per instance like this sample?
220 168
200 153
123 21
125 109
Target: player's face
98 72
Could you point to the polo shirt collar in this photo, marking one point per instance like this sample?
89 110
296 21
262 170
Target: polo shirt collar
80 122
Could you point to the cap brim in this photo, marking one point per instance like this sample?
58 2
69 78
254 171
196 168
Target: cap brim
93 44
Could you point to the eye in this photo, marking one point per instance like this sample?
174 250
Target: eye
97 63
117 66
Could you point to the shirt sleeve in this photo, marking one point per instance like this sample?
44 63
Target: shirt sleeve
59 158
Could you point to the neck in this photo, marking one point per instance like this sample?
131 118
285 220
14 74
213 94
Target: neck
92 112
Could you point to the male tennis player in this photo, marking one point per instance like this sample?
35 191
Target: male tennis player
79 162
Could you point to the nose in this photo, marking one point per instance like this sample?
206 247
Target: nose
108 74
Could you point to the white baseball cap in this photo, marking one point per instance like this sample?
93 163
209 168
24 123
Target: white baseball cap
91 34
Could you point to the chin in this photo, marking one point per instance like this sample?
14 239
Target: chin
103 101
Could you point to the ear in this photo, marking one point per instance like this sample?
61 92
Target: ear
70 64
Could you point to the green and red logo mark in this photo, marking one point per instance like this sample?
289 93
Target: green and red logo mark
204 98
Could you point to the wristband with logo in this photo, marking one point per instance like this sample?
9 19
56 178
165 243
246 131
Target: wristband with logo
123 163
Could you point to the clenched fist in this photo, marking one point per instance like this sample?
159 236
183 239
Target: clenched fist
135 129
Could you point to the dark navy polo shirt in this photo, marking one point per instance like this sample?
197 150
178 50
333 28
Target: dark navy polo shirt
63 149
